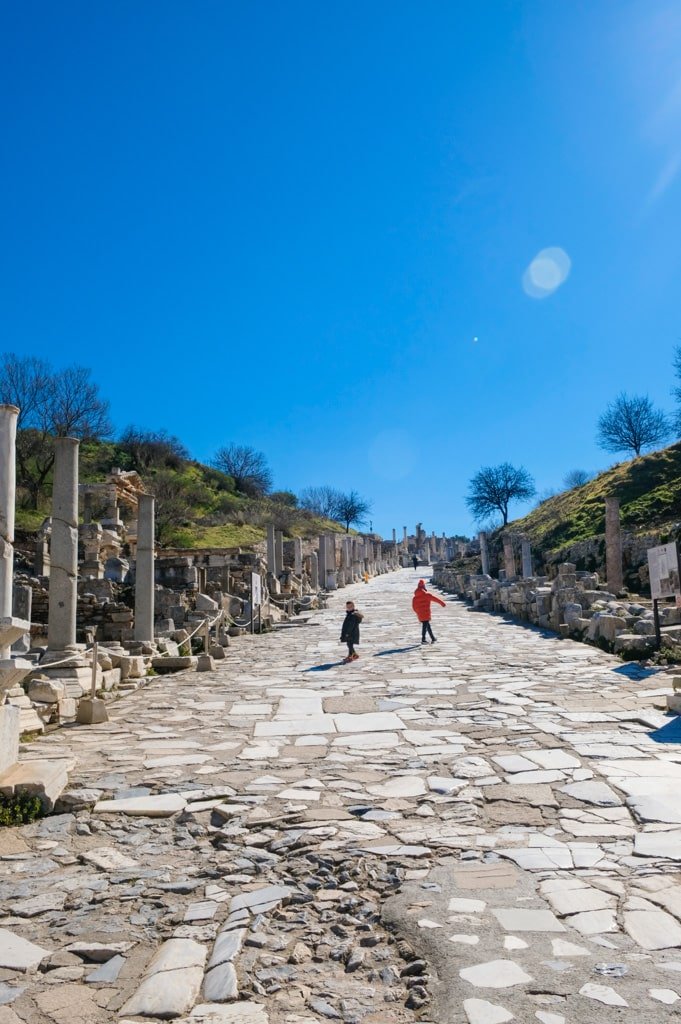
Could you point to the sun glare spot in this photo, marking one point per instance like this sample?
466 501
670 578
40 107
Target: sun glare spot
547 272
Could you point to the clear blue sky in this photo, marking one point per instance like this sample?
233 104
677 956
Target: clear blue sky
284 224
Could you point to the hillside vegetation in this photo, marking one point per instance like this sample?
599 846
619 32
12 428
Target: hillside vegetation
197 506
649 489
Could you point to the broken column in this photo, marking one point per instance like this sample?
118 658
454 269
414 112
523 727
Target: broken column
613 546
279 551
509 557
61 625
298 556
12 671
271 550
527 558
314 572
484 552
144 570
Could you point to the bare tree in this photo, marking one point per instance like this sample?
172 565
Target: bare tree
351 509
322 501
676 390
149 449
632 423
576 478
247 467
63 403
494 487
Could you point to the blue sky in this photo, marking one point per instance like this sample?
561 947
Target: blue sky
285 224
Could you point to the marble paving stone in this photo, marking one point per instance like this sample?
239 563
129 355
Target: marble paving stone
495 974
479 1011
592 793
378 721
653 929
664 995
18 954
162 806
309 726
518 919
603 994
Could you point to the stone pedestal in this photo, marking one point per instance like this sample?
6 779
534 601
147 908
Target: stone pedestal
144 570
613 546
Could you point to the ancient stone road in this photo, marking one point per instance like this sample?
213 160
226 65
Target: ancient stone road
483 830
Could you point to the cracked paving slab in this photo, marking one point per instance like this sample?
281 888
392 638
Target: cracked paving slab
485 829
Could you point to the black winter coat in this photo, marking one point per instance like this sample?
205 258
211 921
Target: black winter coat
350 630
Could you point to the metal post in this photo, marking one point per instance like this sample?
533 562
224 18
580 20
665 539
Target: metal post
658 632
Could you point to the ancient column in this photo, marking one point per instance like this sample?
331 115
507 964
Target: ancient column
144 569
61 622
271 550
405 541
527 558
8 434
314 572
613 546
509 557
298 556
394 538
279 551
321 561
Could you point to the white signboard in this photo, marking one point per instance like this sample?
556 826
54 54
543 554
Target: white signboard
663 563
256 589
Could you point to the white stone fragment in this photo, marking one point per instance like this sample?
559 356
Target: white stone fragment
513 942
466 940
479 1011
495 974
17 954
466 906
603 994
664 995
518 919
108 859
162 806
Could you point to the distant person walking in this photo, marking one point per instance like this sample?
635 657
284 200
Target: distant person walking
421 603
350 631
416 562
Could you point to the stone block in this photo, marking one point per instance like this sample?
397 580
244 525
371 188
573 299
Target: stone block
91 711
46 691
164 665
44 779
67 708
206 604
631 644
217 651
205 663
131 667
111 678
10 728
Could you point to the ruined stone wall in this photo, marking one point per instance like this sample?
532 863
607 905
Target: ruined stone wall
573 604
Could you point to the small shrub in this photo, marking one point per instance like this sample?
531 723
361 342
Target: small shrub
19 809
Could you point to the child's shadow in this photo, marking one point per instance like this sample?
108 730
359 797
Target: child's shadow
396 650
323 668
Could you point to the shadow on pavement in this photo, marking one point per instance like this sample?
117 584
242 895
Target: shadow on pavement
396 650
669 733
323 668
633 671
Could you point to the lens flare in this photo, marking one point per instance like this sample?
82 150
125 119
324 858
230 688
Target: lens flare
548 271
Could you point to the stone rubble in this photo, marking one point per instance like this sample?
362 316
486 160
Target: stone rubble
484 830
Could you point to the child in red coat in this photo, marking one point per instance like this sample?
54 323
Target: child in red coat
421 603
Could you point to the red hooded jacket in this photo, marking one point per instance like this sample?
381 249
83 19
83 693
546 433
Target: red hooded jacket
422 601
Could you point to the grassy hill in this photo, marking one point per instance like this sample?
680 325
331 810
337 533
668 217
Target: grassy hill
197 506
649 489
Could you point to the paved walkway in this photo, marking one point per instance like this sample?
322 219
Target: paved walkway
483 830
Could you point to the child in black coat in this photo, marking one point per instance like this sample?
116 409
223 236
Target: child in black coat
350 631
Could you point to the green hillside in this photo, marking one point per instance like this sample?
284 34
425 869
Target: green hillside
649 489
197 506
